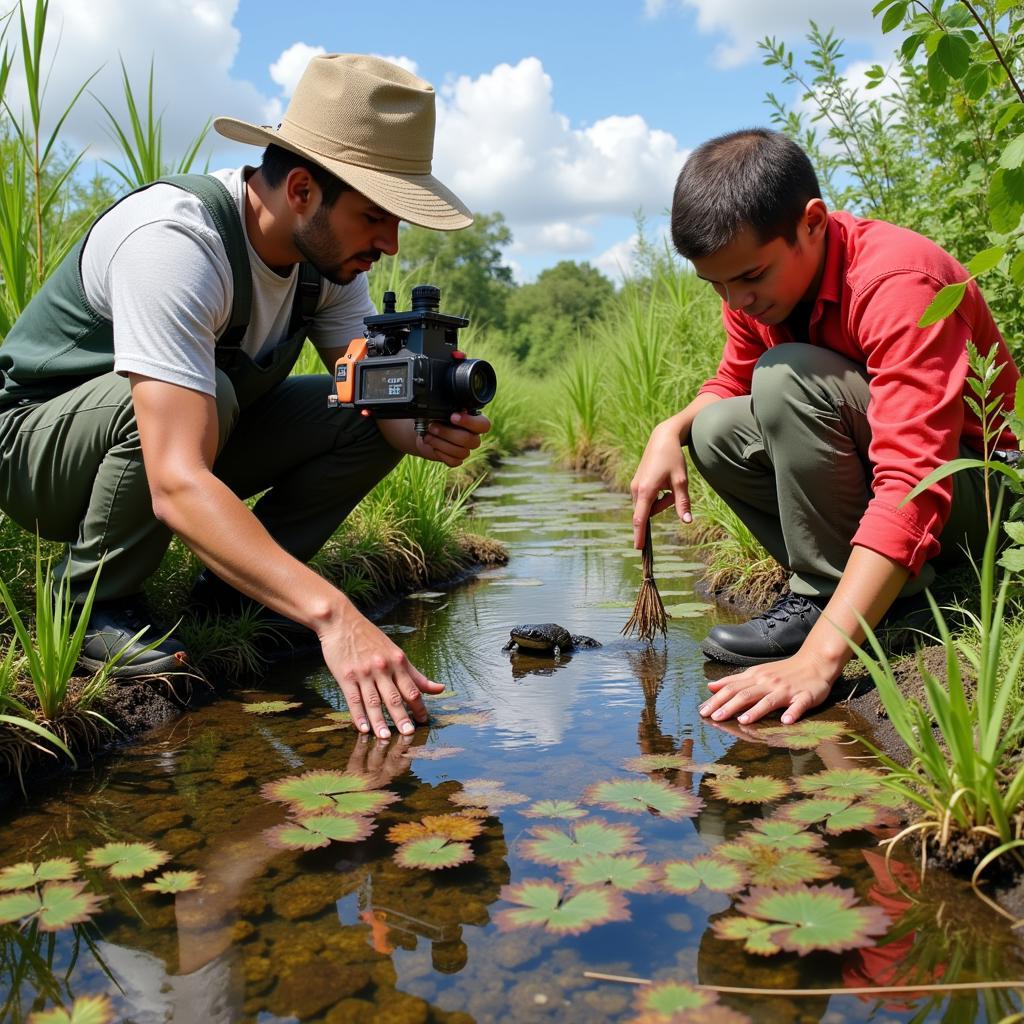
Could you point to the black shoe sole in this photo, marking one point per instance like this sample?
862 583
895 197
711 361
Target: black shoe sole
142 670
711 650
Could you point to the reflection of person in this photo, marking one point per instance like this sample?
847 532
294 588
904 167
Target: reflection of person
147 389
828 406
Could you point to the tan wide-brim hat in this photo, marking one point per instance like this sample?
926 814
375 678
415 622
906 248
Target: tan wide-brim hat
370 123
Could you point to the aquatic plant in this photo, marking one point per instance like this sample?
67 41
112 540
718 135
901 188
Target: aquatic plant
804 735
84 1010
672 1001
26 875
486 793
677 763
843 782
434 753
447 826
57 905
781 834
688 610
550 845
628 872
271 707
749 789
543 904
639 796
838 814
460 718
770 865
171 882
565 809
433 852
339 792
686 876
127 860
313 831
802 919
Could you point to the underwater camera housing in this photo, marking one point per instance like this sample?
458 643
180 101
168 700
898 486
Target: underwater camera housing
408 366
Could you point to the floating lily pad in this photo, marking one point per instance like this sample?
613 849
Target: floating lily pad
755 935
688 610
672 1000
803 735
686 876
550 845
803 919
492 799
271 707
564 809
171 882
769 865
433 753
343 717
127 860
749 789
637 796
59 905
26 875
317 830
839 815
677 763
783 835
340 792
447 826
461 718
850 783
628 872
433 853
543 904
84 1010
330 727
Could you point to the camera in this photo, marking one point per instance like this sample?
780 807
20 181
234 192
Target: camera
408 366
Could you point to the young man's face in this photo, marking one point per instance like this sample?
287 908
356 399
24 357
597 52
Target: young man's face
347 238
767 280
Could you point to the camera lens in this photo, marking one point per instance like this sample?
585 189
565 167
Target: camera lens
472 383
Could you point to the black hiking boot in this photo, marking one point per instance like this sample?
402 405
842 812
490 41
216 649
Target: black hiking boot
775 634
114 628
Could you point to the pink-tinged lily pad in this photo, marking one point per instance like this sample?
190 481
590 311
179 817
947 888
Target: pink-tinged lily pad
446 826
317 830
59 905
804 735
127 860
838 815
550 845
769 865
433 853
490 796
805 919
848 783
686 876
628 872
749 789
171 882
641 796
562 809
755 935
783 835
84 1010
26 875
673 1001
676 763
339 792
543 904
433 753
271 707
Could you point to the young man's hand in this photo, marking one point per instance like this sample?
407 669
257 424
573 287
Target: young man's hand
453 444
662 468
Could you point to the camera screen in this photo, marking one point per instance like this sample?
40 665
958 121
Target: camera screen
383 382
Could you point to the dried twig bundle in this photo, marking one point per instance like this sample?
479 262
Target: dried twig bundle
649 616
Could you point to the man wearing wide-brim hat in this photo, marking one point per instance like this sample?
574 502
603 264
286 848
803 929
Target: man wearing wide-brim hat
146 388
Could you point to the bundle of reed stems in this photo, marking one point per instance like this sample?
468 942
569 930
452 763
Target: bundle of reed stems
649 616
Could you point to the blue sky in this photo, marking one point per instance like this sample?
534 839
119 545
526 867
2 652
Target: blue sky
565 116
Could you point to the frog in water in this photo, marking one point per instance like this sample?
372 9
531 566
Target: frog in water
546 638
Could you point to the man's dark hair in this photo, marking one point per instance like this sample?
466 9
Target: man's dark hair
755 177
278 161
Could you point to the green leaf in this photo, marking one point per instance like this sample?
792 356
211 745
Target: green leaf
894 17
767 865
26 875
65 903
433 853
271 707
976 81
836 812
986 260
945 303
542 904
807 919
805 735
1017 269
628 872
782 835
686 876
677 763
550 845
18 905
1013 559
127 860
640 796
565 809
1013 154
340 792
1006 199
84 1010
751 789
755 935
954 52
688 610
317 830
171 882
911 45
669 998
849 783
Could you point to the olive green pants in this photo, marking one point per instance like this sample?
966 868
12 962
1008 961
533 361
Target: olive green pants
72 469
791 460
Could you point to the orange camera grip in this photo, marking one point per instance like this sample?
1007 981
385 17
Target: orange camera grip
345 370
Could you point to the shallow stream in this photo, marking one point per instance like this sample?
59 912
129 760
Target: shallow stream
344 933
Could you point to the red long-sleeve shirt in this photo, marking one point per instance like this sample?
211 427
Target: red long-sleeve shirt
877 281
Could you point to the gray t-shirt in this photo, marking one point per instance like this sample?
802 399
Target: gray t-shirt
156 267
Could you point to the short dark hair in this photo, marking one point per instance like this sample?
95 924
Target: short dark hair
755 177
278 162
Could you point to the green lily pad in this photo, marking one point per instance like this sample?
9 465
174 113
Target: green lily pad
84 1010
339 792
849 783
318 830
564 809
171 882
543 904
638 796
59 905
461 718
783 835
668 999
433 853
26 875
676 763
755 935
127 860
550 845
342 717
271 707
628 872
687 610
839 815
432 753
769 865
805 919
749 789
686 876
804 735
330 727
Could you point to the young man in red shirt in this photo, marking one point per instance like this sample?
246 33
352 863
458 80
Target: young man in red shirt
829 405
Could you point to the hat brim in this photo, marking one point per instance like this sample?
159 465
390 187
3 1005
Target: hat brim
417 198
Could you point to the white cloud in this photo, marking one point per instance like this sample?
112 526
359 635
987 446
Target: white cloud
288 68
561 236
618 261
